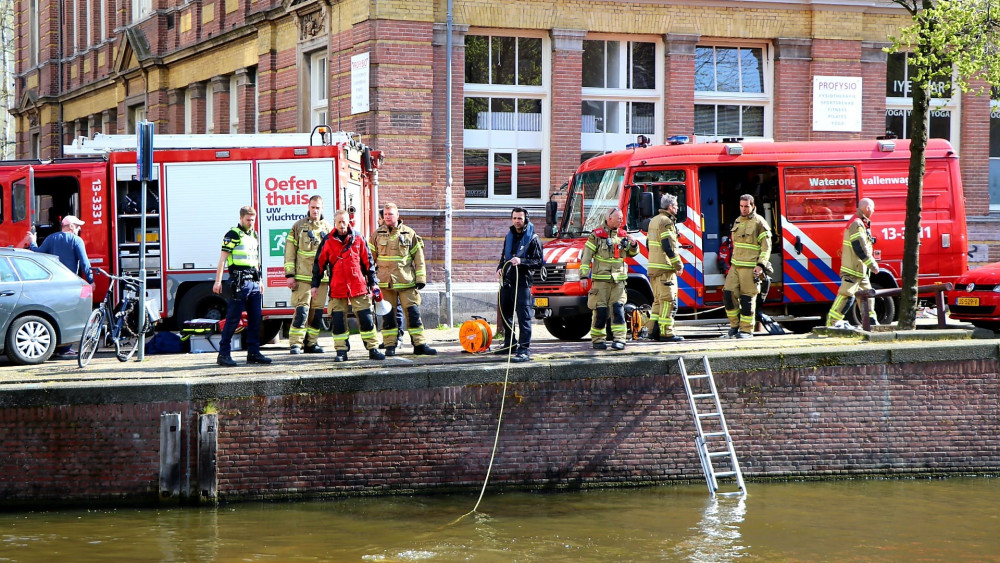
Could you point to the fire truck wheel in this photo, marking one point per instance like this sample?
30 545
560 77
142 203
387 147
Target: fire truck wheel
568 328
200 303
885 310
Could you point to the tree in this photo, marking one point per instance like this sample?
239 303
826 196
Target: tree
960 38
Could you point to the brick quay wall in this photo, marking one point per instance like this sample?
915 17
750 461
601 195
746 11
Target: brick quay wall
857 410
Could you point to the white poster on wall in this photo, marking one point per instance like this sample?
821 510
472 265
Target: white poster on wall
360 66
837 103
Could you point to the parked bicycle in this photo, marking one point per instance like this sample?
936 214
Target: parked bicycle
115 326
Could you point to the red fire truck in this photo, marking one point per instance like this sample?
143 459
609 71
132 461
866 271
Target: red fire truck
199 183
807 191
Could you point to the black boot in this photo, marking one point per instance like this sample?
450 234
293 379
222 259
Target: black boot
226 360
424 350
313 349
390 350
258 358
341 356
374 354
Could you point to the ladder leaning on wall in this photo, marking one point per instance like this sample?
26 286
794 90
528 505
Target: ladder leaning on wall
714 444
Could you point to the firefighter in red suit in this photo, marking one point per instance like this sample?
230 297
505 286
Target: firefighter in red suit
352 277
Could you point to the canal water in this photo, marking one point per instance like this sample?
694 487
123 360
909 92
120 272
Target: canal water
873 520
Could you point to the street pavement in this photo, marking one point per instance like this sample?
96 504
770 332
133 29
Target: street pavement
700 337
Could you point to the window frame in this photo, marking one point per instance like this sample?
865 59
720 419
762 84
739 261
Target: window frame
740 99
904 104
319 82
624 97
512 141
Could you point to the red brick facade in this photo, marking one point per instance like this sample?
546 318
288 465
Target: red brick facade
891 419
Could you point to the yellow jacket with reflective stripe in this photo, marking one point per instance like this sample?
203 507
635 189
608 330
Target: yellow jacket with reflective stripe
663 230
751 241
399 254
301 246
600 251
852 265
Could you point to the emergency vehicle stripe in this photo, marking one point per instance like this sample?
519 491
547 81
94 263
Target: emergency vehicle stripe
803 281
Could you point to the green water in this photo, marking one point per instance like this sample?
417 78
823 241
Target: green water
915 520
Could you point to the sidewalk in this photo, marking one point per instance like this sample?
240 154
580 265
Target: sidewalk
702 337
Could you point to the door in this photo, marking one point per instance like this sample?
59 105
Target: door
22 188
10 292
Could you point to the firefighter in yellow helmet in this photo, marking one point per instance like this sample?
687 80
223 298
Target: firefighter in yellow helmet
606 248
663 266
751 236
857 264
300 253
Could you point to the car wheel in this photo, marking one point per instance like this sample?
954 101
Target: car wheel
568 328
30 340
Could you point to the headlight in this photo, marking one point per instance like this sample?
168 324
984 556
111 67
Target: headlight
996 288
573 275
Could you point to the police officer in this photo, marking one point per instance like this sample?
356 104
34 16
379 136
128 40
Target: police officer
399 255
663 267
300 253
856 266
240 252
606 248
751 236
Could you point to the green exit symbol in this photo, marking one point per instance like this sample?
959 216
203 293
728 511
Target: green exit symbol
276 240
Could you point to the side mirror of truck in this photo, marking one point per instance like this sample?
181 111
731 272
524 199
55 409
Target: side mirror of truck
551 210
646 206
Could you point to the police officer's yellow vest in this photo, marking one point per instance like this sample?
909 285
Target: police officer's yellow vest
751 241
243 249
662 229
399 254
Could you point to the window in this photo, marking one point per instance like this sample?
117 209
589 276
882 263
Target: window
234 109
504 116
209 108
104 20
19 201
620 97
318 89
820 193
75 23
141 9
33 31
661 182
29 270
90 24
732 92
135 114
899 103
7 274
188 109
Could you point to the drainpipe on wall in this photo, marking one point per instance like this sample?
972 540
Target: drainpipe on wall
448 175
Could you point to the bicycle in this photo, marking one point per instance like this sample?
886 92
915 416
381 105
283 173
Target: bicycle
119 326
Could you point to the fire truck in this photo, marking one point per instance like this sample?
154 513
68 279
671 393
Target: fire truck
198 185
807 191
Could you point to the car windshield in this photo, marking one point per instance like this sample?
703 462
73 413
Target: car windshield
593 193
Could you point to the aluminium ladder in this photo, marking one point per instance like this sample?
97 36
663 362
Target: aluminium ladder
714 444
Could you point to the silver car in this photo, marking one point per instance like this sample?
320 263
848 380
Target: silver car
42 305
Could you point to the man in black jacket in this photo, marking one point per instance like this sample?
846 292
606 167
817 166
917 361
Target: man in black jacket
522 253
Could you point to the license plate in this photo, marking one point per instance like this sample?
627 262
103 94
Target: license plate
967 301
541 302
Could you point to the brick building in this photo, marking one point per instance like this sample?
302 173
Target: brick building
537 87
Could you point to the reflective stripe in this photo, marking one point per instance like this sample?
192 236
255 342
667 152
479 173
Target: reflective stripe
845 269
344 336
742 264
747 246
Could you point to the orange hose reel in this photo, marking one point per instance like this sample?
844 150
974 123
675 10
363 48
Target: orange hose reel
475 335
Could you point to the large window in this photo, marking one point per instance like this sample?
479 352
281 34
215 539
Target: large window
620 95
504 118
732 92
33 31
318 81
995 150
141 9
899 103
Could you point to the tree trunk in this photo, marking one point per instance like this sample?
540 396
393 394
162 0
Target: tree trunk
914 203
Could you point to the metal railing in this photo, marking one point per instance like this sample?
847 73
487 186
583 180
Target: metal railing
937 289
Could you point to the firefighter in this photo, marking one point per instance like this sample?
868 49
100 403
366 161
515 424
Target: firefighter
751 236
352 277
857 264
241 253
663 267
399 255
607 247
300 254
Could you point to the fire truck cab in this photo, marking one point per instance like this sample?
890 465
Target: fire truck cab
198 185
806 191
